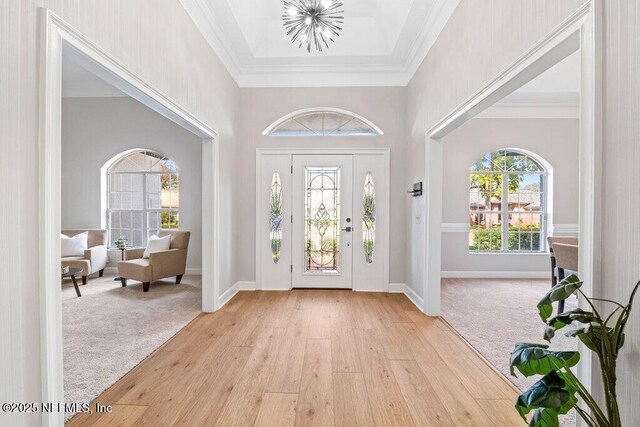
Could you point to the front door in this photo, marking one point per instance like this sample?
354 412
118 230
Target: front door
322 221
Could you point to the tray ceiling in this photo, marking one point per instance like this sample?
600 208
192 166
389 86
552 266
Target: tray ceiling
382 42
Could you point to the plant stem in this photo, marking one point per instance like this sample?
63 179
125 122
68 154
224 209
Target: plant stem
608 300
586 396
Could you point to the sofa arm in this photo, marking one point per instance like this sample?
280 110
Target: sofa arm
97 255
134 253
168 263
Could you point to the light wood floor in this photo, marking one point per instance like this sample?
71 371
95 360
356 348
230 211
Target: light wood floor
311 357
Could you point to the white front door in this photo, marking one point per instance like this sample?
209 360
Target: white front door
322 221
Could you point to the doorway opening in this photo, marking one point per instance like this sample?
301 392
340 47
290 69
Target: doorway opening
60 40
576 34
511 184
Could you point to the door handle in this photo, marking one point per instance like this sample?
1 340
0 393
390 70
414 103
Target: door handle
348 229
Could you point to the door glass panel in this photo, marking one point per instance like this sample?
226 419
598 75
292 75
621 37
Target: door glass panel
322 219
275 217
369 218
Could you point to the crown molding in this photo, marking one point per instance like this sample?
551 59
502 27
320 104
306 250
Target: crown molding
251 72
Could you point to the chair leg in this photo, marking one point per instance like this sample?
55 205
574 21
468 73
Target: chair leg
101 273
84 280
561 276
124 282
178 279
145 286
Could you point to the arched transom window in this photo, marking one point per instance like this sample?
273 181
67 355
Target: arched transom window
143 196
322 122
507 203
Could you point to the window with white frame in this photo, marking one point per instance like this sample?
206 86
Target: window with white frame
507 203
143 196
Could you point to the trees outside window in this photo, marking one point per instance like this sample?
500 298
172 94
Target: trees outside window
507 203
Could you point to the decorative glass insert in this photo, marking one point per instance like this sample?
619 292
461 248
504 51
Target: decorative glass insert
275 217
322 219
369 218
143 196
323 123
507 203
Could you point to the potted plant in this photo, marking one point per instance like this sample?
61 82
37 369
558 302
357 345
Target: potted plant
559 389
122 242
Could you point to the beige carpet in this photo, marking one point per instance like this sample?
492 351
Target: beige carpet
110 329
494 315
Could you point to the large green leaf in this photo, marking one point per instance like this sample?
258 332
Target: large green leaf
550 392
545 417
537 359
592 336
566 318
560 292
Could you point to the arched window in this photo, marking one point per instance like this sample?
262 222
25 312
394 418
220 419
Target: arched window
322 122
507 203
143 196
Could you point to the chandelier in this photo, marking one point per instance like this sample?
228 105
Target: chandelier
313 22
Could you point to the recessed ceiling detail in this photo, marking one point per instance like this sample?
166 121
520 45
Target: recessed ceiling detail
381 44
313 22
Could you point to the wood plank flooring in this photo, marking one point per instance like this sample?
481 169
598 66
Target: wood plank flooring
311 358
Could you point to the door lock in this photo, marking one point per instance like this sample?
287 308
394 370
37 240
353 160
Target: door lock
348 229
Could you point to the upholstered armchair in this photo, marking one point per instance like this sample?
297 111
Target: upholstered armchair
159 265
95 256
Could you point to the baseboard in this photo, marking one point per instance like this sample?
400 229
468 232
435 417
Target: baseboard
246 286
189 271
227 295
496 274
402 288
414 297
397 288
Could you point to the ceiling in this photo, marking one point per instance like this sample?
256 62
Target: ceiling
553 94
78 82
382 43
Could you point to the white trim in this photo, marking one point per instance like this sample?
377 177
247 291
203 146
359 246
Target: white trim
565 230
295 114
188 271
542 56
581 30
458 227
246 286
227 295
57 39
396 288
402 288
496 274
395 69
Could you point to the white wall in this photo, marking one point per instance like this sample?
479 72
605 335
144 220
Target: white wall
159 42
483 38
555 140
385 107
479 41
621 190
95 130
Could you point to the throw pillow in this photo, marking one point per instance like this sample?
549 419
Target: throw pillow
157 244
74 246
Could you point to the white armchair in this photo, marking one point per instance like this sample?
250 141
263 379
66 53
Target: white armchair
95 257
